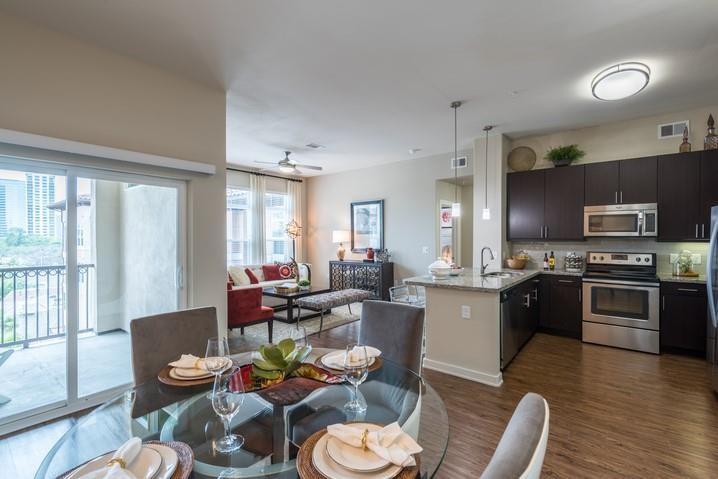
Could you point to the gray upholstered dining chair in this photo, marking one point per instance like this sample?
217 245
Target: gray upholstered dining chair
396 329
522 447
161 338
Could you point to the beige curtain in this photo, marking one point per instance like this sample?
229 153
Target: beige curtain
257 243
295 191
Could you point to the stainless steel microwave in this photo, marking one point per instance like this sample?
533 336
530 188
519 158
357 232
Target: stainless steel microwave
621 220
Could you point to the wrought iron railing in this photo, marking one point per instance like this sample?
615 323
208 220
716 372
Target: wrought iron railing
33 303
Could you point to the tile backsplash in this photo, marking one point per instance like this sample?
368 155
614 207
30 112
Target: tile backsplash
663 251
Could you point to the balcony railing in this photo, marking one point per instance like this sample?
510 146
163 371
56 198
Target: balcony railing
33 303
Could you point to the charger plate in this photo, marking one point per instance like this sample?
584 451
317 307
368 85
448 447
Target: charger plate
373 367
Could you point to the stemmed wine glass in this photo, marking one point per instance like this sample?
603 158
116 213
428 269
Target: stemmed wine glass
299 335
356 369
216 358
227 399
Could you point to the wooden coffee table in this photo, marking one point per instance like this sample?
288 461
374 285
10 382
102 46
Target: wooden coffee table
288 316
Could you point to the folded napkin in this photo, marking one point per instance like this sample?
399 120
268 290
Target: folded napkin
116 467
335 360
188 361
390 442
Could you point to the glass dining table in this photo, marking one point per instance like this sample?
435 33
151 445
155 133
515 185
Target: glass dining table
273 430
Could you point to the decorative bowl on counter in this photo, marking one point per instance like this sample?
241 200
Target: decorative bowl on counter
440 269
456 271
516 263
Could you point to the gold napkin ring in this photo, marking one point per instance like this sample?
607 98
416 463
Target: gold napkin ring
364 436
196 364
119 461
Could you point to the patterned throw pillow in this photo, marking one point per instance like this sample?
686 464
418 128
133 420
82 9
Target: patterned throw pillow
288 270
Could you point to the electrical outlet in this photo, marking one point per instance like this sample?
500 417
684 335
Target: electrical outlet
696 258
425 249
465 312
674 258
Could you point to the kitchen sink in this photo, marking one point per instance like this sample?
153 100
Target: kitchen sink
502 274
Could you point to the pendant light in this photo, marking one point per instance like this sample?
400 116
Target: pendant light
486 212
455 206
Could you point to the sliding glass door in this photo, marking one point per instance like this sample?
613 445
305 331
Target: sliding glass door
82 253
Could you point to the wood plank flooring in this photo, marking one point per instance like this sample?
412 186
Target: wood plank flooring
614 413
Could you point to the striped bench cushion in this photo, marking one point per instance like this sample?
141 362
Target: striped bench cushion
320 302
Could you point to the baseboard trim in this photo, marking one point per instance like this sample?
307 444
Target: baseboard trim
465 373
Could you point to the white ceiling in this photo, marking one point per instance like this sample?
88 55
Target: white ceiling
370 79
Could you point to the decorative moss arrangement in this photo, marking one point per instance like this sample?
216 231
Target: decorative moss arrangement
564 155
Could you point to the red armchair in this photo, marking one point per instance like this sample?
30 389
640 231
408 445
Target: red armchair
244 308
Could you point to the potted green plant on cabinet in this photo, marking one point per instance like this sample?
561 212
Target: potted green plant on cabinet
564 155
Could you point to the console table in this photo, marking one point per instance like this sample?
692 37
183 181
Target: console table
376 278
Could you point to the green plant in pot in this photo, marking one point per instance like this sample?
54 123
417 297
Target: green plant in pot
564 155
304 283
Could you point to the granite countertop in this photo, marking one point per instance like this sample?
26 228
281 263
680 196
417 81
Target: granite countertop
471 280
668 277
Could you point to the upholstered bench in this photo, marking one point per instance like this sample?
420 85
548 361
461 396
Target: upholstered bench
325 301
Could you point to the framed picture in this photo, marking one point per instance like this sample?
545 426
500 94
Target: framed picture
445 219
367 225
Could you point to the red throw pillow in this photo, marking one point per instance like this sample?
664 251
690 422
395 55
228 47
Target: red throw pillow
252 278
271 272
286 271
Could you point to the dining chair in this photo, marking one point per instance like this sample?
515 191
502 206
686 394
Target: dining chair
4 356
396 329
162 338
522 447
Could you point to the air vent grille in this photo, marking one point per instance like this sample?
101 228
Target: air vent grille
672 130
460 162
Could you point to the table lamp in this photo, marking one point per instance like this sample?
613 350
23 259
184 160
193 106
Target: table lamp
340 236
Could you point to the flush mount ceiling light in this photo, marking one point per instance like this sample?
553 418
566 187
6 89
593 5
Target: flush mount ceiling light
620 81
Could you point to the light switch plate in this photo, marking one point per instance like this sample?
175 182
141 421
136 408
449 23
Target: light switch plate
465 312
696 258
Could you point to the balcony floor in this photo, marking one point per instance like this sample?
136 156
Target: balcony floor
35 376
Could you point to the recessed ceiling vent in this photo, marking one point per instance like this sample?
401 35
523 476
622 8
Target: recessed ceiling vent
314 146
672 130
459 162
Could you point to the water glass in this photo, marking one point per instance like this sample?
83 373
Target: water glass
226 401
356 369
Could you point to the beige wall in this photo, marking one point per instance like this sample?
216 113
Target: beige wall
55 85
408 191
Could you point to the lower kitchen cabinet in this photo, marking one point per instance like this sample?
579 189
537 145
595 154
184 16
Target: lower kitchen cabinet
561 305
684 317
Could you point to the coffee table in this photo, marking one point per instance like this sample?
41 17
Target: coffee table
290 298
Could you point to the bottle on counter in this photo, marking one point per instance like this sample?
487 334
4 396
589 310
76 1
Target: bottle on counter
552 262
545 262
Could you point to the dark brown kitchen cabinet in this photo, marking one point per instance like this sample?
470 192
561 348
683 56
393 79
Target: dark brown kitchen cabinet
709 190
545 204
525 204
679 197
561 305
563 203
621 182
684 316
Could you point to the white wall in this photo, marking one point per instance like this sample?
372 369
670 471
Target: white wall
54 85
408 191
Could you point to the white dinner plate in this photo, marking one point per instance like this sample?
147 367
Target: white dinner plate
326 466
335 360
355 458
175 374
191 373
169 460
144 466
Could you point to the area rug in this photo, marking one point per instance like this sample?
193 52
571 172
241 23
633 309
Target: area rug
256 335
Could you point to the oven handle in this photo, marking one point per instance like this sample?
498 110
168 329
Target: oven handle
619 282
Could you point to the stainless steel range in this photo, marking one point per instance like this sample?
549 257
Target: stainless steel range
621 295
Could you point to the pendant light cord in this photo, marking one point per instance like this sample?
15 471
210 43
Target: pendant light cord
455 105
486 167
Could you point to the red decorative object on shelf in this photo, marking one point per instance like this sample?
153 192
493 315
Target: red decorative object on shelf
370 254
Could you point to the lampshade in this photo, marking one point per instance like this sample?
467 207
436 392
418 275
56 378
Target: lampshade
340 236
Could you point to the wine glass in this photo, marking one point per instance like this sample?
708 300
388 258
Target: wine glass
227 399
216 358
299 335
356 369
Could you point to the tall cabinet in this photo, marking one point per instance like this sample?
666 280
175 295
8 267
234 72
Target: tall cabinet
376 278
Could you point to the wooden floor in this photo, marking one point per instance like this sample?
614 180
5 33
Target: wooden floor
614 413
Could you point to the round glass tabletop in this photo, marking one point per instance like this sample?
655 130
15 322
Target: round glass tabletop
273 431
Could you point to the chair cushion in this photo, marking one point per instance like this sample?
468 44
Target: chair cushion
238 276
252 278
271 272
333 299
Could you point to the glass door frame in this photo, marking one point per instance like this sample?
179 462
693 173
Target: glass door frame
72 402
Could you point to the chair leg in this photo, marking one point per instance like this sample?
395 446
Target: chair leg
350 309
299 316
241 331
321 322
270 326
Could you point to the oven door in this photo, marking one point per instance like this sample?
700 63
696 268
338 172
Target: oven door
612 223
621 303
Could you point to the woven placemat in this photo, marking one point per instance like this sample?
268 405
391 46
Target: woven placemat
185 458
306 469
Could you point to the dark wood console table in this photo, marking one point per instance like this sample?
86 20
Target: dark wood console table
376 277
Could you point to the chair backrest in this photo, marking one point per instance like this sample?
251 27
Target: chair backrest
396 329
162 338
522 447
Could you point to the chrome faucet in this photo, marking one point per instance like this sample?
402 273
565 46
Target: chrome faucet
485 265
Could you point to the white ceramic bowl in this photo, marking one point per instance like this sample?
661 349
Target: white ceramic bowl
440 273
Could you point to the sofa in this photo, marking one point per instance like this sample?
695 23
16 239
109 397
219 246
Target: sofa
239 282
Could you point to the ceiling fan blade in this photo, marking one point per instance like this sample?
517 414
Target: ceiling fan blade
266 162
308 167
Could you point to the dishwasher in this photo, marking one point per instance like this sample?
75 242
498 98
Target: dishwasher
519 318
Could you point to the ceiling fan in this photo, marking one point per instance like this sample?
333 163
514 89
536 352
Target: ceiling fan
289 166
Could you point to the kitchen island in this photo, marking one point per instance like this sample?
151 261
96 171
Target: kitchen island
463 321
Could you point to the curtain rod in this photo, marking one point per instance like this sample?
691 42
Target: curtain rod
264 174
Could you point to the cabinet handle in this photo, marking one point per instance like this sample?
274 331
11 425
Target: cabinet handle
535 295
703 230
545 228
663 303
528 300
616 200
621 196
580 296
688 290
541 232
696 230
565 281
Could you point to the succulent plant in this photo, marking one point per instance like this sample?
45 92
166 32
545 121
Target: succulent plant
277 361
304 282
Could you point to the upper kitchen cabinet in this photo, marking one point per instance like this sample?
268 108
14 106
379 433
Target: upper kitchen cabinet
709 190
563 203
621 182
546 204
525 204
679 197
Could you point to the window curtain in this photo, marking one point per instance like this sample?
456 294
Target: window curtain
257 189
295 191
